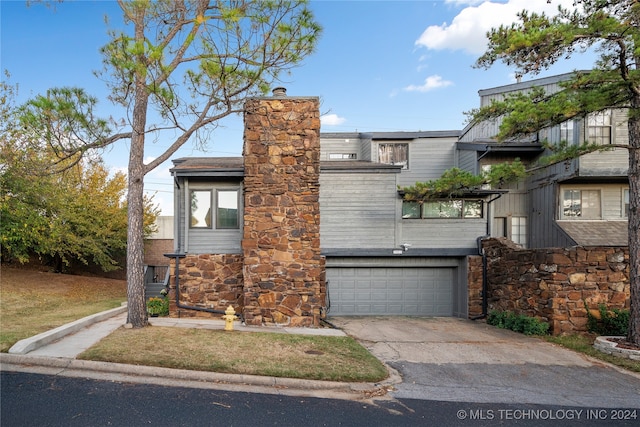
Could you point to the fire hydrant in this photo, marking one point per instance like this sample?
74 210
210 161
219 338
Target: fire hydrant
229 316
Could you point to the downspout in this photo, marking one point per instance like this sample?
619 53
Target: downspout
485 287
177 257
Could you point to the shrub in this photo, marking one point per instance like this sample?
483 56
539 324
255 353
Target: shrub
158 306
612 322
517 322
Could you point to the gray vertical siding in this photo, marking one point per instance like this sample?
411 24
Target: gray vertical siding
358 210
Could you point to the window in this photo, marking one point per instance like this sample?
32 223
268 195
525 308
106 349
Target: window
625 202
566 131
581 204
227 209
342 156
200 209
519 230
394 154
442 209
410 210
599 128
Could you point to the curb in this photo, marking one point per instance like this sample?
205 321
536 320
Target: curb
32 343
175 377
603 344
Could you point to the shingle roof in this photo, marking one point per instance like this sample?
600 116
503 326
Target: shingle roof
597 233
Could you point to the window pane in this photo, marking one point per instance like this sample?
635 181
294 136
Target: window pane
227 212
443 209
200 209
571 204
473 209
410 210
519 230
626 203
394 154
591 204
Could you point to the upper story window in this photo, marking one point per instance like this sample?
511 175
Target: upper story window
225 211
581 204
566 131
599 128
457 208
394 154
342 156
625 203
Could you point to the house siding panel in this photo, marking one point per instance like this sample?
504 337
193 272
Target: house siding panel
358 210
429 158
443 233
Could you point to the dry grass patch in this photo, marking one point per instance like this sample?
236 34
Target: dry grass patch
254 353
32 301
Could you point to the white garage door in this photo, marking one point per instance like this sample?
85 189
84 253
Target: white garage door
413 291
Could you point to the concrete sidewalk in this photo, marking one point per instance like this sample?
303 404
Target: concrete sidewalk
54 353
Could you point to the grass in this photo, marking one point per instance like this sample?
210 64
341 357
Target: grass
32 301
253 353
584 344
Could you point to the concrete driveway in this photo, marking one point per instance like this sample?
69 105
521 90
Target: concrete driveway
461 360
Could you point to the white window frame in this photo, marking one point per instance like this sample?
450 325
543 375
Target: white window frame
600 123
582 190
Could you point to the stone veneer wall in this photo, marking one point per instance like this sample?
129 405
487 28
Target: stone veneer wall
552 284
284 273
206 281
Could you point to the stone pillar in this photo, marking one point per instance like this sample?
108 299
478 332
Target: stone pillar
284 273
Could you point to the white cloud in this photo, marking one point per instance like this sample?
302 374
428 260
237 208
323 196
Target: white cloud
430 83
467 31
332 120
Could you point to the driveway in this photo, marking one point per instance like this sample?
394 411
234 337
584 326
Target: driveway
458 360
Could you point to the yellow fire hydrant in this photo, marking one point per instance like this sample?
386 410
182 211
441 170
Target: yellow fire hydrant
229 316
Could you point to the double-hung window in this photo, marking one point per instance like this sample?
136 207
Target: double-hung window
209 207
599 128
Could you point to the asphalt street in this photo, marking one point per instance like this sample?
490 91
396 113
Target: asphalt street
50 400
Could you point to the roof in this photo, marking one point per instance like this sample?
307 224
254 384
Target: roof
208 166
400 135
597 233
234 167
530 83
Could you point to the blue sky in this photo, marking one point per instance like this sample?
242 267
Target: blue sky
379 66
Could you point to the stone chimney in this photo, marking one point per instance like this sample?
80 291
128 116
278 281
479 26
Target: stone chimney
284 273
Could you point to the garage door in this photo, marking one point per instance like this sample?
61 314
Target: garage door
390 291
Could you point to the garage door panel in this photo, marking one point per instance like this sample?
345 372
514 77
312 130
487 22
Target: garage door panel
426 291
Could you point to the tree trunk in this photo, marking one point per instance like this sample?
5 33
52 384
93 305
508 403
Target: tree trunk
634 221
137 307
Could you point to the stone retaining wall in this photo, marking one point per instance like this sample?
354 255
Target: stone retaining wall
552 284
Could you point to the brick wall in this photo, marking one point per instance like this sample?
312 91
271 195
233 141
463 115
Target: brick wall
553 284
154 250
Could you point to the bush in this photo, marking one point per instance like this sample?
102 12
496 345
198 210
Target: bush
158 306
612 322
517 322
